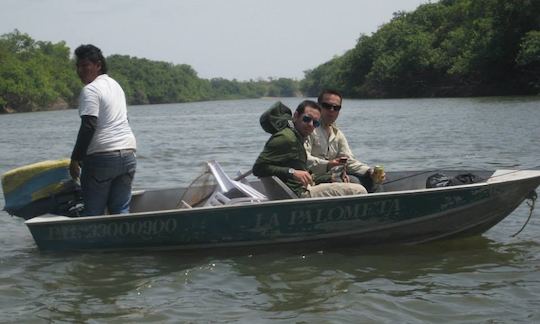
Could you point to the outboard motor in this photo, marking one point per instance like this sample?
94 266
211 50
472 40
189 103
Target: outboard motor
40 188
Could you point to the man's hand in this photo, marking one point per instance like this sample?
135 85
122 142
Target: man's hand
74 169
304 177
345 178
377 177
337 161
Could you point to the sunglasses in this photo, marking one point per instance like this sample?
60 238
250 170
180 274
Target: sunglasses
328 106
306 119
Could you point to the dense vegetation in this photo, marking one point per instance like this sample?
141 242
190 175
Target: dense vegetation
36 75
149 82
449 48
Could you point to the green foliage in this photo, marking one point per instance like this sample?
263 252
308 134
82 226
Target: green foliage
232 89
528 58
152 82
37 75
529 52
449 48
33 75
282 87
323 76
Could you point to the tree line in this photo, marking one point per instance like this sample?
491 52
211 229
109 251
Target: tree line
448 48
38 75
442 49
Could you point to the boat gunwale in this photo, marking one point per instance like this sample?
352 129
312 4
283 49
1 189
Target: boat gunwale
48 219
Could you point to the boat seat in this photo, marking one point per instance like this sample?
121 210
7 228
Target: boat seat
230 191
219 199
276 189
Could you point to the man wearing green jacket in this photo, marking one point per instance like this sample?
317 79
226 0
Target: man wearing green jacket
284 156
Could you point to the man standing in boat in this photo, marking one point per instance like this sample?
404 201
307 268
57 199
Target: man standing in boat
328 150
104 153
284 156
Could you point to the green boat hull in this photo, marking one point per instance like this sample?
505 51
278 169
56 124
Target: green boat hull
407 216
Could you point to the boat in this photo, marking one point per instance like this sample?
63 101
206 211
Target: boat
216 211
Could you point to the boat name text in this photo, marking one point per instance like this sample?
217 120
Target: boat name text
300 217
149 228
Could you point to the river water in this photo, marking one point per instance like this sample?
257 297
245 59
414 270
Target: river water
493 278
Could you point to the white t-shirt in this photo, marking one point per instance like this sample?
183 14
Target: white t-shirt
105 99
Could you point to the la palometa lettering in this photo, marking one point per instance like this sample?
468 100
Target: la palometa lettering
381 209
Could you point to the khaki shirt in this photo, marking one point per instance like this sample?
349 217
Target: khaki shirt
322 147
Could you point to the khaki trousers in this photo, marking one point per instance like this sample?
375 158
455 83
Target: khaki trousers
334 189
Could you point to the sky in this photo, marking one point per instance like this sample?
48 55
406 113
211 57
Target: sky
232 39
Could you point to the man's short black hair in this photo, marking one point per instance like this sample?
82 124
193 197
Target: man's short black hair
93 54
329 91
307 103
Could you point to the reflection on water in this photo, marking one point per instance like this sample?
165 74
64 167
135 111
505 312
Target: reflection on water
300 283
385 280
489 278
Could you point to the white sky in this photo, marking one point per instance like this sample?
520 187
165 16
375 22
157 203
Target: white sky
239 39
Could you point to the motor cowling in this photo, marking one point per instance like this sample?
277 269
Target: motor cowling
40 188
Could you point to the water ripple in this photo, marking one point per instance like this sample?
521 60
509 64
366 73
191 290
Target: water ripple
490 278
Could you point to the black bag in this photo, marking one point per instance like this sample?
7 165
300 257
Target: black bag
275 118
438 180
466 178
